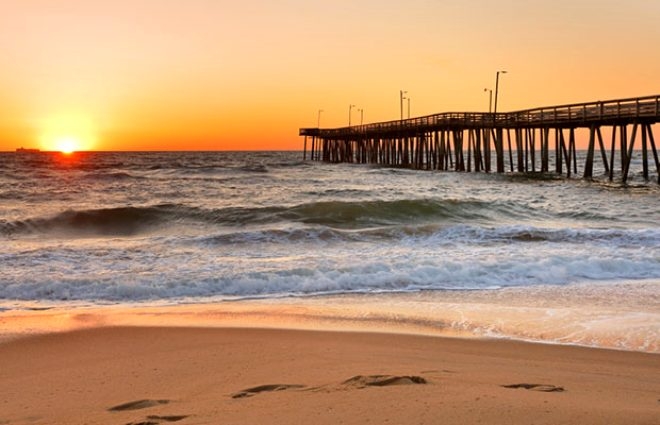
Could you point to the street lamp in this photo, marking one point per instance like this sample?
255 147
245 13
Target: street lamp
318 119
490 99
401 97
497 84
408 107
350 107
361 115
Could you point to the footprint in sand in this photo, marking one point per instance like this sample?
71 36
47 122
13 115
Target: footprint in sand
157 420
356 382
537 387
136 405
265 388
361 381
171 418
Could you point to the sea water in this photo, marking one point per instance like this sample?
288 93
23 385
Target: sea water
493 254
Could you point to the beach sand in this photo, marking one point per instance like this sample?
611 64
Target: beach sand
194 375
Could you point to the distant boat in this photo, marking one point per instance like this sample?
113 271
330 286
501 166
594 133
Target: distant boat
27 150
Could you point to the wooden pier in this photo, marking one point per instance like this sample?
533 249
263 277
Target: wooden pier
521 141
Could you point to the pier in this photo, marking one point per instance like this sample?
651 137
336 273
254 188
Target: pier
520 141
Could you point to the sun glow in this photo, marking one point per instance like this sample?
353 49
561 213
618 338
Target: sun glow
68 133
67 144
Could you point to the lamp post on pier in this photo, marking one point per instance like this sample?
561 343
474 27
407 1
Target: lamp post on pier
500 160
490 100
401 97
497 87
408 107
361 115
318 119
350 108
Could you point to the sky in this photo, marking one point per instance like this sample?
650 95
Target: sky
246 75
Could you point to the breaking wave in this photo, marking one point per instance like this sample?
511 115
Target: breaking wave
447 219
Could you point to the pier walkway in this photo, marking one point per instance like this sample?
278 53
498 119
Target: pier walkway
470 141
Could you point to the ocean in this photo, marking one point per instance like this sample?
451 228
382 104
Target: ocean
534 257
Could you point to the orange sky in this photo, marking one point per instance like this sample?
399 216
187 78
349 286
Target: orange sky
217 74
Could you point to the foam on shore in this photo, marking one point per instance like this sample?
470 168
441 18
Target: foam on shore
622 316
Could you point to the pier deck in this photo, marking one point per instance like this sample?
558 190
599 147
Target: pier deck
464 141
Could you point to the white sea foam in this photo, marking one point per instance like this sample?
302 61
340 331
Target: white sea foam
148 269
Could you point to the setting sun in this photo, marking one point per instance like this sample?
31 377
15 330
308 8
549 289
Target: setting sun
68 133
67 144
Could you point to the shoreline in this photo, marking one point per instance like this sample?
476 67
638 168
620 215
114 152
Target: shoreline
201 375
623 316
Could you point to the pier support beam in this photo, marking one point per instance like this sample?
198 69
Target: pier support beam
589 165
545 151
499 149
654 150
628 155
305 150
603 152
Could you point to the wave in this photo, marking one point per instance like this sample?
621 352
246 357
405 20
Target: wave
433 236
254 168
166 276
113 176
447 219
375 213
12 195
131 220
120 221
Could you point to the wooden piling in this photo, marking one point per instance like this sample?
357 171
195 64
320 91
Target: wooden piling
589 166
655 152
626 167
545 150
612 151
645 155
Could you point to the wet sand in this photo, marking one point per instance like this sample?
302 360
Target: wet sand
622 315
195 375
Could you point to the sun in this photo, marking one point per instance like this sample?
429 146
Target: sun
67 144
68 133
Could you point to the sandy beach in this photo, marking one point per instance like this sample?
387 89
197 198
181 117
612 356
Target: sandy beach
329 212
159 375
